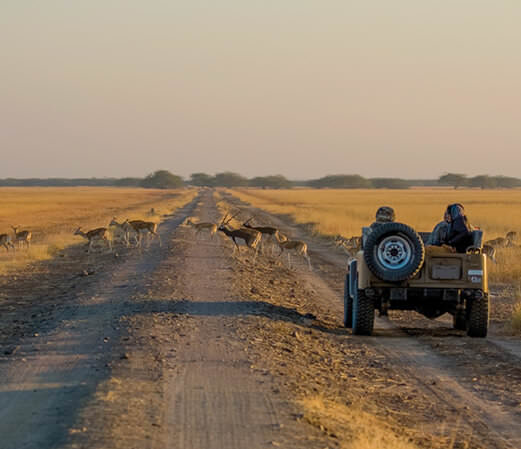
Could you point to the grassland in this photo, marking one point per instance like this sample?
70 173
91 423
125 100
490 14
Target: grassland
344 212
53 214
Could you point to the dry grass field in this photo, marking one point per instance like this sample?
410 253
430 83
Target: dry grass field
344 212
53 214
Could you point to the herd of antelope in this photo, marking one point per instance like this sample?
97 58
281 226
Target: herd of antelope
254 237
22 238
123 233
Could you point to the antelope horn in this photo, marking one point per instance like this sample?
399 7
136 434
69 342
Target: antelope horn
233 216
224 219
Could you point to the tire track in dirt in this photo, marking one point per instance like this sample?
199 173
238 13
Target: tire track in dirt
214 400
44 384
444 375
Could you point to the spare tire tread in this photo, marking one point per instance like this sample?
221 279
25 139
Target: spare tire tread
388 229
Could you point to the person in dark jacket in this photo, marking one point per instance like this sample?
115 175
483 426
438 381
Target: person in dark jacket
460 233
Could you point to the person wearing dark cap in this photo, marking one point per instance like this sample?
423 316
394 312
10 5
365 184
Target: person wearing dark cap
384 214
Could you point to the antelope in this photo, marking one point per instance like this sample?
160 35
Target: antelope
202 226
267 231
511 238
351 246
503 242
143 227
489 251
121 231
93 235
298 246
22 237
251 237
5 240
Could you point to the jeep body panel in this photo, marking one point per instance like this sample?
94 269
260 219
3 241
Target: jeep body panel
440 271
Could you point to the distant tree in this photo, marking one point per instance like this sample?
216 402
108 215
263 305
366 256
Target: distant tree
128 182
390 183
272 182
341 182
453 179
201 179
230 179
162 179
507 182
483 182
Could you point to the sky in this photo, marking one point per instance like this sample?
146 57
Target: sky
402 88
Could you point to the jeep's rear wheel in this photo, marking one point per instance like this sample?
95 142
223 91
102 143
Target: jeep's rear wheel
348 304
394 252
363 314
477 321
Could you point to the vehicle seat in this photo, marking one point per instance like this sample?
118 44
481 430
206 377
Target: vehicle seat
477 240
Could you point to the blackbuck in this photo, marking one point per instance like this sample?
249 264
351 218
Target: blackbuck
490 247
22 237
5 240
350 245
251 237
141 228
95 235
268 232
490 251
503 242
299 247
120 234
199 227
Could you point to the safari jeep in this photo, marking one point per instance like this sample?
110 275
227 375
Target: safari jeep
395 271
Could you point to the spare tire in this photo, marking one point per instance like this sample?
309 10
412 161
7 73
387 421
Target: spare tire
394 252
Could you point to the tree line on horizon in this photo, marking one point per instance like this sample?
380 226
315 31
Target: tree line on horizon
163 179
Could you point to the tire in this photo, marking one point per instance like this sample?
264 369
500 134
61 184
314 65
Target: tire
459 321
348 305
477 323
363 314
394 252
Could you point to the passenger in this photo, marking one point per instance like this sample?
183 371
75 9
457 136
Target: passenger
460 232
384 214
440 233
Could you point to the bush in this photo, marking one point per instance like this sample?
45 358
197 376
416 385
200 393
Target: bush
162 179
230 179
341 182
390 183
271 182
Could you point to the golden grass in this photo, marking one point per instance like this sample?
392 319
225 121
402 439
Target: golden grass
354 428
53 214
346 211
516 318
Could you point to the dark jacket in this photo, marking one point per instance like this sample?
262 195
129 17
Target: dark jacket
460 234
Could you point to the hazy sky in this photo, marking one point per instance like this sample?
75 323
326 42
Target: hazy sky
303 88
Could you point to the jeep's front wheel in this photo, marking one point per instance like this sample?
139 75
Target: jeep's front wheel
477 319
363 314
348 304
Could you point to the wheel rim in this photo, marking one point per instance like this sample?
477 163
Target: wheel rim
394 252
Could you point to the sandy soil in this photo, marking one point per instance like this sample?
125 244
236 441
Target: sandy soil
188 346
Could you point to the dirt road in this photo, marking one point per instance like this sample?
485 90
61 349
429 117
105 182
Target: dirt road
187 346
